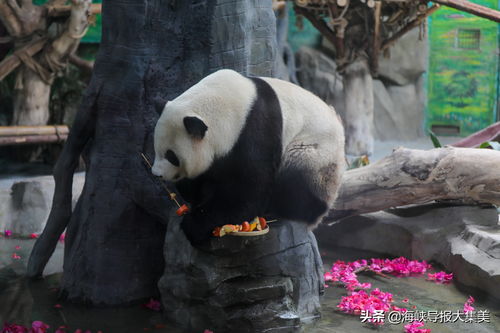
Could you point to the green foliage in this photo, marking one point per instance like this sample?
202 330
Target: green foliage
359 162
490 144
435 140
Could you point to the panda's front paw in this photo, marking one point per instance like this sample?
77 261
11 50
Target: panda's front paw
195 234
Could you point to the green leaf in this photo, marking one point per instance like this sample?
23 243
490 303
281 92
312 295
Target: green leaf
490 144
435 140
359 162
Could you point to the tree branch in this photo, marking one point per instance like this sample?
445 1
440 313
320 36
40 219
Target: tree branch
60 214
82 64
11 62
415 176
68 41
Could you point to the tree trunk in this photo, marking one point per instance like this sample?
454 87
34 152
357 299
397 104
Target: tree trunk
31 99
152 50
359 104
410 176
39 61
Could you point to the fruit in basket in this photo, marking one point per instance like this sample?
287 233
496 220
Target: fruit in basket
245 226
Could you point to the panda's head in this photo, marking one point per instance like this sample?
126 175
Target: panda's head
181 145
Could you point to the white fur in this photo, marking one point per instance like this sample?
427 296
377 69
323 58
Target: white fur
222 100
313 136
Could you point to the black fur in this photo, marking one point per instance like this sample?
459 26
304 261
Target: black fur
195 127
294 197
238 186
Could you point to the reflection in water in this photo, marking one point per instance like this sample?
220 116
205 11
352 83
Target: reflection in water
23 301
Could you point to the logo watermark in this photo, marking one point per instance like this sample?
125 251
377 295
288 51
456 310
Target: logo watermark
444 316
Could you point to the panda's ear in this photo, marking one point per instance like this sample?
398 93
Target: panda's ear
159 104
195 127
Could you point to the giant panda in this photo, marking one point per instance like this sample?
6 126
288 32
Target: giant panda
239 147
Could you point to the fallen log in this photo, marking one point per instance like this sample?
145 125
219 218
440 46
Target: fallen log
33 130
410 176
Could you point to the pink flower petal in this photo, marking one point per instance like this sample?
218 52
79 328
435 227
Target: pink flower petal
18 247
15 256
468 305
13 328
33 236
39 327
440 277
414 327
8 233
153 305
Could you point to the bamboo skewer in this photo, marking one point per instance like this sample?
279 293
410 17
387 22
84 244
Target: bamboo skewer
170 193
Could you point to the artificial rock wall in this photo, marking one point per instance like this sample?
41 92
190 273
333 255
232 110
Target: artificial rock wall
399 88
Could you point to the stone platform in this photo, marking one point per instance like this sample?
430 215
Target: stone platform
269 283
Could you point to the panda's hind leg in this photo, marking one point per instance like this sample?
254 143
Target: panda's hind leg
308 180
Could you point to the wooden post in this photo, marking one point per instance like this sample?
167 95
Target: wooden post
33 130
339 42
31 139
376 37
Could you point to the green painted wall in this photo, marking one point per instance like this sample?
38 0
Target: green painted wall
307 36
93 35
463 70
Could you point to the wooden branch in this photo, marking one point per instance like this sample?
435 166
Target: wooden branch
65 10
376 38
339 42
472 8
31 139
22 20
82 64
11 62
415 176
66 43
319 24
33 130
412 24
9 19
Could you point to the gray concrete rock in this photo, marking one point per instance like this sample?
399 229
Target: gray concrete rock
266 283
25 202
317 73
243 37
407 61
464 239
399 111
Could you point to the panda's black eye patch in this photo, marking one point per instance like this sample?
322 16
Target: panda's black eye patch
172 158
